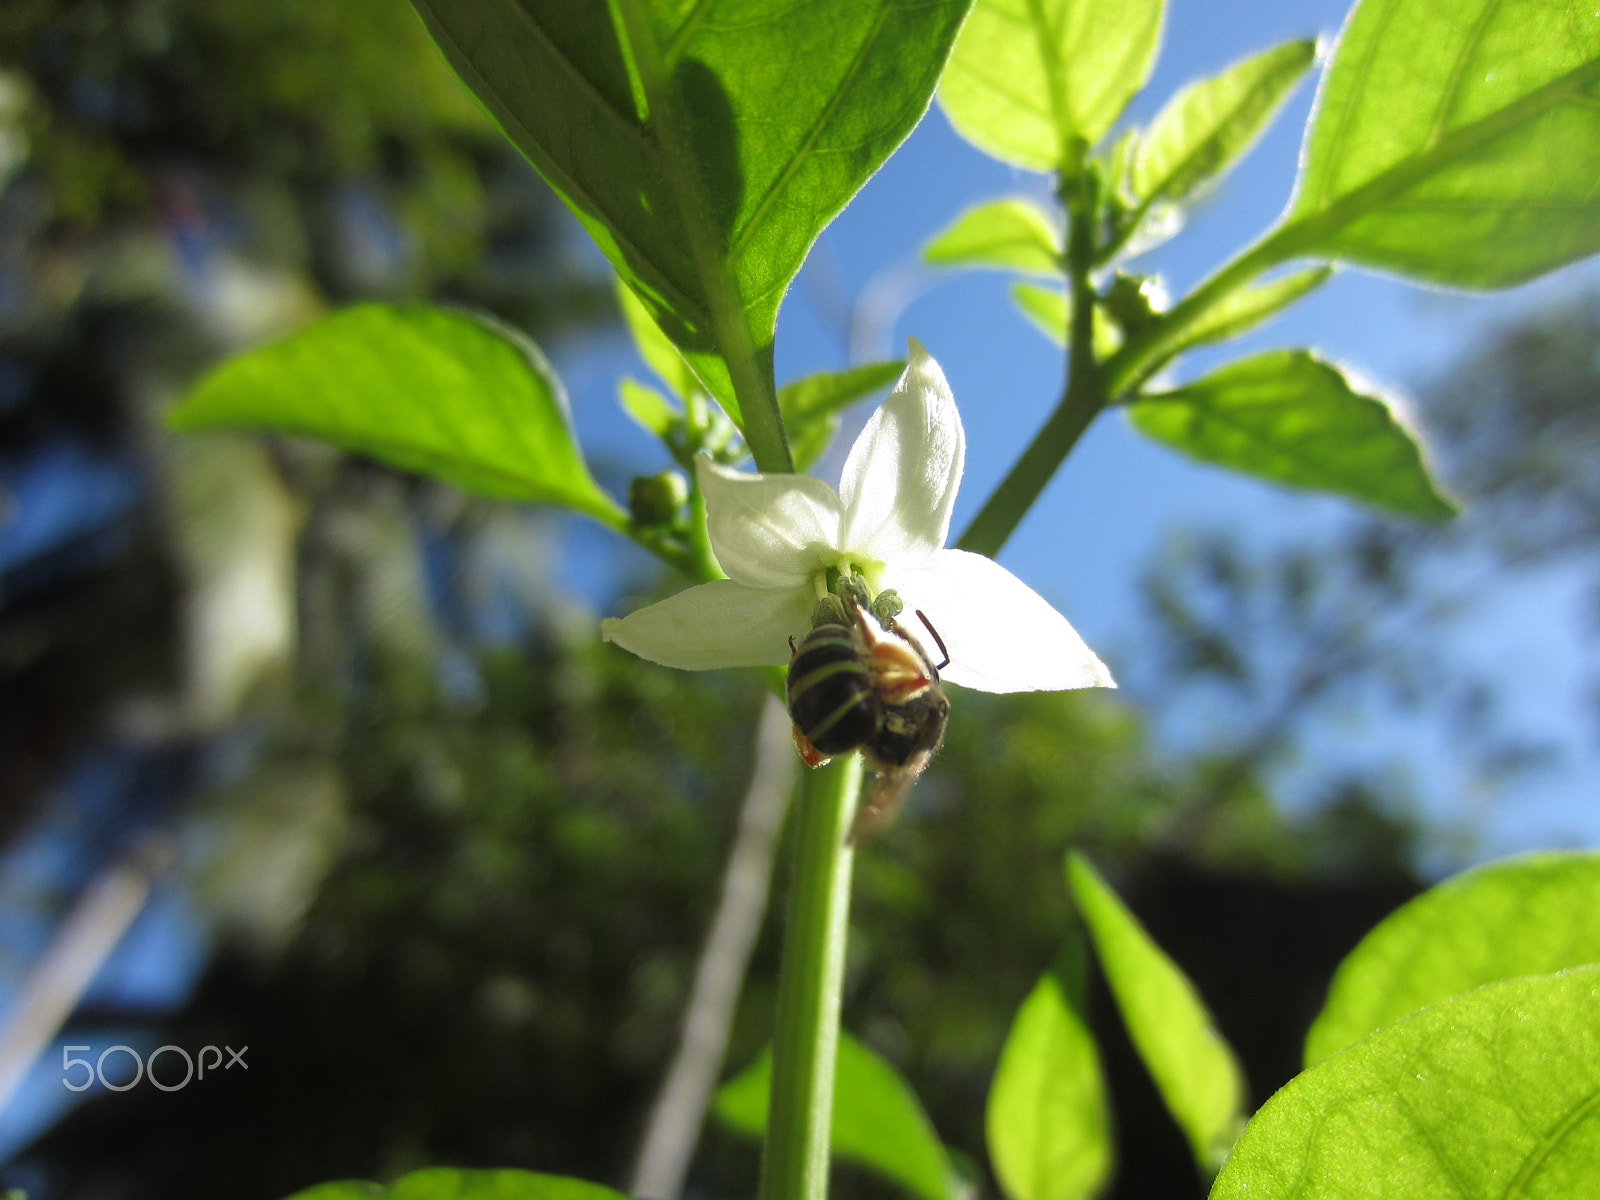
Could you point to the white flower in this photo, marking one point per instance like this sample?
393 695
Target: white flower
778 536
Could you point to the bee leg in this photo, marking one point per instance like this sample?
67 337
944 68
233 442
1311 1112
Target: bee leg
809 754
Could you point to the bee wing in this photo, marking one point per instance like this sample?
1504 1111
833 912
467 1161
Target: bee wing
889 792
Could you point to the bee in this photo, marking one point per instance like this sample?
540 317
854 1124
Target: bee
860 681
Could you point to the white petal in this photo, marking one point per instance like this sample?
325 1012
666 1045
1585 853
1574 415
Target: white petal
721 624
1002 636
900 480
769 530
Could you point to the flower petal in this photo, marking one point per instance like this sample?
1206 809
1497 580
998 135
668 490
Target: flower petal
721 624
769 530
900 480
1002 635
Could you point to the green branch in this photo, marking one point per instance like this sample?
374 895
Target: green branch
794 1161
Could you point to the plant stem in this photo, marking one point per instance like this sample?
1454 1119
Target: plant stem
1082 398
794 1161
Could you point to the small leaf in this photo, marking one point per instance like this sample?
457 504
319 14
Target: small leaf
1242 310
1290 417
459 397
704 146
1051 313
444 1183
1193 1067
1495 1093
1529 915
655 347
811 406
877 1121
1210 124
649 408
1039 82
1013 235
1049 1119
1457 143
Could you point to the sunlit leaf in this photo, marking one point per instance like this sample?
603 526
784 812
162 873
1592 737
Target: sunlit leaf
1457 142
653 412
459 397
1193 1067
1288 416
1523 916
1013 235
1211 123
703 146
1039 82
1242 310
444 1183
1048 1120
1495 1093
1050 311
811 406
877 1121
654 346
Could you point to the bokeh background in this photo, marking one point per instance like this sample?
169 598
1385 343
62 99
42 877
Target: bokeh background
342 752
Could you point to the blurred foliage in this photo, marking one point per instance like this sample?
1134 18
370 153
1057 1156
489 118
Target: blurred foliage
1281 649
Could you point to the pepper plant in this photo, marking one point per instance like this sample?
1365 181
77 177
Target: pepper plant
704 146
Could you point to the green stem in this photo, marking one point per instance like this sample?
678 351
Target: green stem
794 1161
749 367
1082 398
1145 354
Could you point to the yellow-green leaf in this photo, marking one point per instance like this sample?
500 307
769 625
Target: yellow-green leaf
1193 1067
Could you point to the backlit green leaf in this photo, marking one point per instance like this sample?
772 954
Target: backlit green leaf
1048 1119
1242 310
877 1121
444 1183
649 408
704 146
1051 312
1493 1094
654 346
1290 417
462 398
811 406
1039 82
1524 916
1457 142
1193 1067
1211 123
1013 235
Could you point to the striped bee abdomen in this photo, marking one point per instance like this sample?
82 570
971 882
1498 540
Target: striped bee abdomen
830 692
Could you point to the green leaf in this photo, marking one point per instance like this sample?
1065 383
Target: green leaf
877 1121
654 346
444 1183
1492 1094
459 397
653 412
1014 235
1242 310
1050 310
1458 143
1039 82
1209 124
1288 416
811 406
704 146
1529 915
1049 1118
1193 1067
